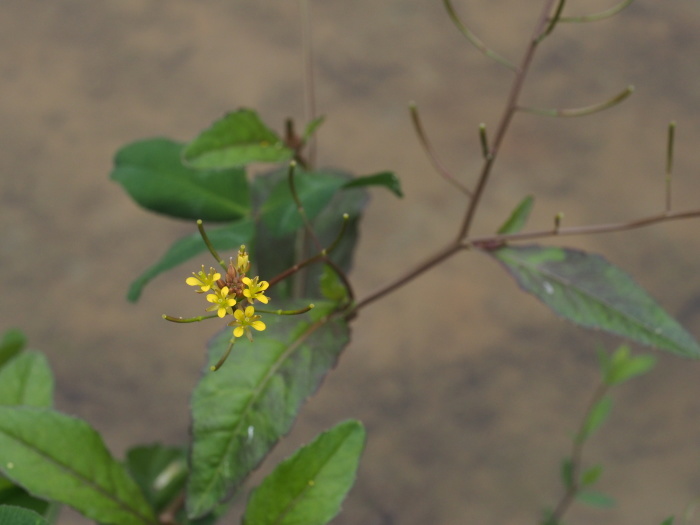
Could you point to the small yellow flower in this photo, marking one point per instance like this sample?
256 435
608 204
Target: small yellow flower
222 302
255 290
245 320
204 280
242 263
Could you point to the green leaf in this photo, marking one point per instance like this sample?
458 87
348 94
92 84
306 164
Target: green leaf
237 139
385 178
311 127
595 499
314 189
622 366
310 486
589 291
224 238
160 471
12 343
62 458
518 217
10 515
242 410
591 475
152 172
332 287
11 494
595 418
668 521
26 380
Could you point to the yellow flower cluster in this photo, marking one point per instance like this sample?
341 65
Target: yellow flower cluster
233 294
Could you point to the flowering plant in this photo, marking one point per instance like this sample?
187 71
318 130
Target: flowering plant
301 225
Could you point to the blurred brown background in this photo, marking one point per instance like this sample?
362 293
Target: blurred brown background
469 390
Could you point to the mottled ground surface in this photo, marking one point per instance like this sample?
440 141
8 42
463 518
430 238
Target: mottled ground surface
469 390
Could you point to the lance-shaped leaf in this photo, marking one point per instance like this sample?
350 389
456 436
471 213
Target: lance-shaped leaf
151 171
11 515
58 457
26 380
588 290
160 471
240 411
310 486
518 217
224 238
237 139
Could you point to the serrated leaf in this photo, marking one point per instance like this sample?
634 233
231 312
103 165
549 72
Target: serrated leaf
518 217
10 515
595 418
387 179
151 171
595 499
315 190
310 486
26 380
160 471
62 458
591 475
237 139
12 343
224 238
241 411
588 290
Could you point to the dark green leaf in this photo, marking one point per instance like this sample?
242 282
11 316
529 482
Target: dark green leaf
273 255
242 410
11 344
160 471
152 172
224 238
386 178
314 189
11 494
595 499
10 515
310 486
591 475
518 217
668 521
311 127
26 380
62 458
237 139
590 291
595 418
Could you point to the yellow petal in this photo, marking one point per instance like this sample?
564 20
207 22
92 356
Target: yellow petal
258 325
238 331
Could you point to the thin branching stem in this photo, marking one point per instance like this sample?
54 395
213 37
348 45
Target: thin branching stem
602 15
210 246
430 152
669 163
553 20
474 40
504 122
577 457
308 74
580 112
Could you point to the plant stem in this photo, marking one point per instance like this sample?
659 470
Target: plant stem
504 123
